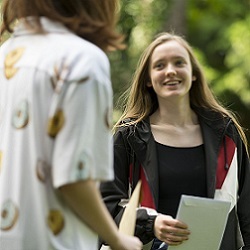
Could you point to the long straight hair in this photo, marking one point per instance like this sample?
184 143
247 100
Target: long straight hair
140 101
93 20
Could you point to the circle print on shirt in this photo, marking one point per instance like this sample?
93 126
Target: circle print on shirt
55 221
9 215
56 123
21 115
11 59
42 170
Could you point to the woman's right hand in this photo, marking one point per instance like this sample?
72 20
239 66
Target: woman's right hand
126 242
169 230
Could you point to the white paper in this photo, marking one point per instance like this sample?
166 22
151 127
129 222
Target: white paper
206 219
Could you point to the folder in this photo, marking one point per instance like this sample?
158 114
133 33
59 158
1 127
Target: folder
127 224
206 219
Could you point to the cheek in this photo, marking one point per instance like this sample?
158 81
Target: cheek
186 73
157 77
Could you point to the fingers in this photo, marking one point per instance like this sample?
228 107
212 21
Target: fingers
132 243
170 230
173 239
170 221
175 230
173 236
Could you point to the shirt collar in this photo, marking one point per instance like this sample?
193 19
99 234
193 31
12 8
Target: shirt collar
48 25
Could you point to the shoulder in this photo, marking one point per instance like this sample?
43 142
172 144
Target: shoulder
213 118
128 124
129 127
82 57
82 50
218 123
86 58
60 48
64 42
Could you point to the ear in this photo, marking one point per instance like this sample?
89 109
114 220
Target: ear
194 78
149 84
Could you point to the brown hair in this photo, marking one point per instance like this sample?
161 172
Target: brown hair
141 101
93 20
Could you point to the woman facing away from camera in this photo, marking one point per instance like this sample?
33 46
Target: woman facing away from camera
55 115
177 139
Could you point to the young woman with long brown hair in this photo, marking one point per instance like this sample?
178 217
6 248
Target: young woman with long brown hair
178 139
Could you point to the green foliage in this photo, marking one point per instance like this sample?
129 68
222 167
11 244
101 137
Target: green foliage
219 32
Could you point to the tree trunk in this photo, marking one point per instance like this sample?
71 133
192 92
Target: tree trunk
177 17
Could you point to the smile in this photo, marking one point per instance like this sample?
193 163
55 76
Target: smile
171 83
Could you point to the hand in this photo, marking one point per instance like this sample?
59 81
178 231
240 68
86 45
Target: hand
126 242
170 230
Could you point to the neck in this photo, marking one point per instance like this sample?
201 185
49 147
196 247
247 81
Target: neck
177 115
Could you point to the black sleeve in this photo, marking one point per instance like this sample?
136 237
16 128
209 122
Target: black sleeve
113 192
118 190
144 229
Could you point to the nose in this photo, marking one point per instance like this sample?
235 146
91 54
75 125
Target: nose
170 70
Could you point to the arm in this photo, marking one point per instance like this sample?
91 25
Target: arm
148 225
85 200
117 192
113 192
78 157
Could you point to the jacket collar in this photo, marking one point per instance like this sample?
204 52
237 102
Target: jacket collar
141 140
213 127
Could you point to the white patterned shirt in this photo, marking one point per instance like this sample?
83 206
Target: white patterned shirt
55 119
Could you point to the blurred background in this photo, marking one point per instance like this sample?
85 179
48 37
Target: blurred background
218 31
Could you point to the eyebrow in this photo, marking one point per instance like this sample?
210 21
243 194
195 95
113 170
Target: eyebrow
162 59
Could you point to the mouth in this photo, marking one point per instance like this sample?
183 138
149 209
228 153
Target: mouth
172 83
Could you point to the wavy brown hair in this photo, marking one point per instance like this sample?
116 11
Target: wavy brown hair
141 101
93 20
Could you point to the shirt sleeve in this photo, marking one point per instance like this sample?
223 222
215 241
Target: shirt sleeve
82 112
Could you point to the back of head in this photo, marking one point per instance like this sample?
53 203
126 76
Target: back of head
94 20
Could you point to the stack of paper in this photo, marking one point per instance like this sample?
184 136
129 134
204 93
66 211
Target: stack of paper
206 219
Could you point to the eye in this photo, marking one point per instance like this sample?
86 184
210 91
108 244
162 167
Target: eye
180 63
159 65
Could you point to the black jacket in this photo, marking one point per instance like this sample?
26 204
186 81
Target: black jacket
135 158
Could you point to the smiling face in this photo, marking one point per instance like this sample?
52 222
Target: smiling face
170 71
